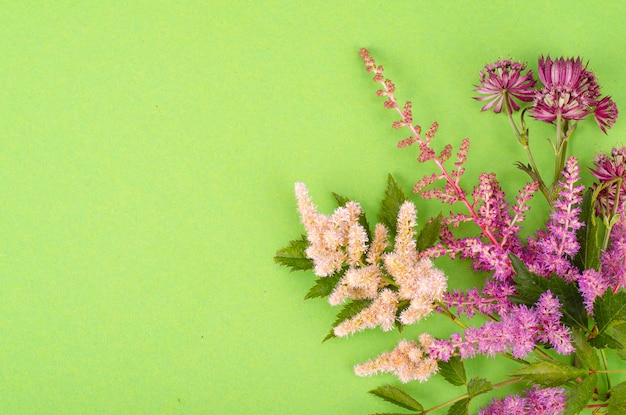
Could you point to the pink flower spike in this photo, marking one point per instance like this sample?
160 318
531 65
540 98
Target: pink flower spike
605 113
502 82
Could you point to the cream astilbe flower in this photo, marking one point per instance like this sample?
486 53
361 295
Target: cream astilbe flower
408 361
357 284
363 283
382 312
379 243
418 280
335 239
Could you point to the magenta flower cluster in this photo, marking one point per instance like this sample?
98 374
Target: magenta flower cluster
518 332
570 91
547 401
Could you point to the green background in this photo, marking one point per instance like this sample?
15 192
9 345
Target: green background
148 152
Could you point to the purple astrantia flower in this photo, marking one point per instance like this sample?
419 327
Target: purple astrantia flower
569 90
605 113
608 171
502 83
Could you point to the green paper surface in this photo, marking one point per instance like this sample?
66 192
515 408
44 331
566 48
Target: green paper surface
148 152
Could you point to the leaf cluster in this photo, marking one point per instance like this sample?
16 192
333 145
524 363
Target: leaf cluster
454 373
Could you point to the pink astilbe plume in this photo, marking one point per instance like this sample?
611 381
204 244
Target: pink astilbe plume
547 401
518 332
555 246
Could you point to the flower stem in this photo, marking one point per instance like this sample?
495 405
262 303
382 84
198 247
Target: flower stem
466 396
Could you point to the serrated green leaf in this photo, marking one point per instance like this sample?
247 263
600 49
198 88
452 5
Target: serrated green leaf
453 371
397 397
390 206
460 407
584 352
294 255
579 396
588 236
530 286
549 374
477 386
341 200
603 340
348 311
619 333
429 234
609 309
617 399
323 286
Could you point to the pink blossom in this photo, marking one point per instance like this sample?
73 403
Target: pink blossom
569 90
502 83
605 113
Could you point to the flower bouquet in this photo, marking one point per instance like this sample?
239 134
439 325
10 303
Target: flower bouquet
554 303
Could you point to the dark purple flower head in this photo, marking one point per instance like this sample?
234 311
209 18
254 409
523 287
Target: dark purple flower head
502 82
605 113
569 90
608 171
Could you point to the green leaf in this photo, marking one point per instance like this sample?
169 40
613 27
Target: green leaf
429 233
586 354
603 340
530 286
579 395
323 286
588 255
348 311
618 332
390 206
397 397
477 386
341 200
617 399
549 373
460 407
453 371
294 256
609 309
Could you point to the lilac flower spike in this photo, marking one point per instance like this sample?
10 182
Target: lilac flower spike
502 82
